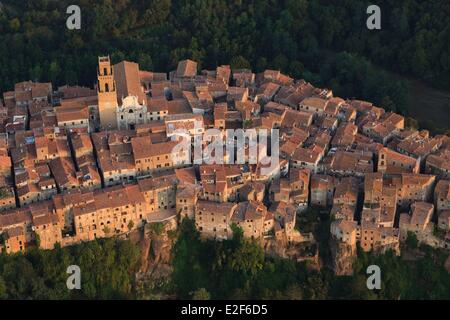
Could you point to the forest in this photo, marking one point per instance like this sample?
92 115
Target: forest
325 42
231 269
238 269
107 268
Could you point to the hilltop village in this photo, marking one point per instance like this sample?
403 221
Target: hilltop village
79 163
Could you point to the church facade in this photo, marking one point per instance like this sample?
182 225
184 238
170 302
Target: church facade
123 100
131 113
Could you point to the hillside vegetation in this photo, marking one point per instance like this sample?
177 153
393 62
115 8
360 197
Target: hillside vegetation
324 42
231 269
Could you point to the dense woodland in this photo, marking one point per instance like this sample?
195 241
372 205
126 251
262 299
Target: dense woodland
107 268
325 42
238 269
232 269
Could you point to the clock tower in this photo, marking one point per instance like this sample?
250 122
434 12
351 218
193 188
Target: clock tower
107 95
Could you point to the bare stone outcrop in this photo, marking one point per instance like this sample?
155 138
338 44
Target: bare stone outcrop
447 264
306 251
156 252
343 256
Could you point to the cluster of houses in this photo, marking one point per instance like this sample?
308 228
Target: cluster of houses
80 163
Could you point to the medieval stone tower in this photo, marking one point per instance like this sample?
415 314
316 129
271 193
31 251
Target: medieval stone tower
107 95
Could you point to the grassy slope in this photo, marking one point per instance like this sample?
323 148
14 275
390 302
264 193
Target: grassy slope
427 103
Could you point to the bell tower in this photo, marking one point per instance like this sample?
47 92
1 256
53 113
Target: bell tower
107 95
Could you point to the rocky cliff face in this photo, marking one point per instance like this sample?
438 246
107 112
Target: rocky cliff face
342 257
156 245
303 251
447 264
273 247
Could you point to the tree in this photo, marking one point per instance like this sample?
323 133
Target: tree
54 71
36 73
106 230
145 61
280 62
157 228
130 225
247 123
261 65
411 240
14 24
38 240
201 294
420 65
412 123
3 294
240 62
296 69
388 104
294 292
248 258
157 12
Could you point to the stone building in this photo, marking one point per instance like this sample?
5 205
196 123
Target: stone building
186 199
344 231
250 216
107 94
213 219
48 230
392 162
322 190
419 223
159 192
13 240
442 195
114 211
150 157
